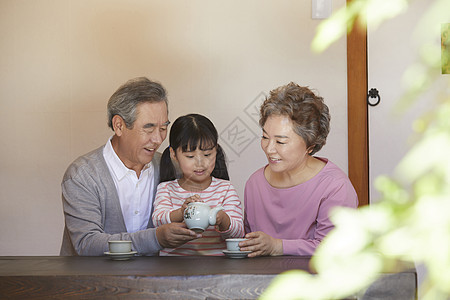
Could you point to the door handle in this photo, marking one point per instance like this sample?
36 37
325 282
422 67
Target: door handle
373 93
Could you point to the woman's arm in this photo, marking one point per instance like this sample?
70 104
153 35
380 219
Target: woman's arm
337 192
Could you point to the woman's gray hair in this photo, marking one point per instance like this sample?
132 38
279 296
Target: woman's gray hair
309 114
135 91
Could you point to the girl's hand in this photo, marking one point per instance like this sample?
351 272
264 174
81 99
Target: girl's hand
223 221
177 215
261 244
194 198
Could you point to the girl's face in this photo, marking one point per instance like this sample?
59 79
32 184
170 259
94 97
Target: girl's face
285 150
196 165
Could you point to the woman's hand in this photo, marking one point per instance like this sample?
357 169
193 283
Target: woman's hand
223 221
177 214
261 244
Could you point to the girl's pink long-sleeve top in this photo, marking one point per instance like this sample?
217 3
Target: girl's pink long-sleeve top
170 196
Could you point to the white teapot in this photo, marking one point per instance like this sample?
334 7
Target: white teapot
198 216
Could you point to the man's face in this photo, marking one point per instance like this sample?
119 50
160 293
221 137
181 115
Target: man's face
137 145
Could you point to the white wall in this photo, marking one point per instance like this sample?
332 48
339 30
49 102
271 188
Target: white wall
412 34
60 61
390 131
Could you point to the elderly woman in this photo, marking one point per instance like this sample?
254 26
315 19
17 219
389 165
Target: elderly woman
287 202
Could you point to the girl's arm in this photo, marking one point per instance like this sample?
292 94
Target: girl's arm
233 210
163 206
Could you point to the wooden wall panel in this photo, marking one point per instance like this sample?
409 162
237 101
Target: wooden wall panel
358 150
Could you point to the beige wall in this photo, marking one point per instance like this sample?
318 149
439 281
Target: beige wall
61 60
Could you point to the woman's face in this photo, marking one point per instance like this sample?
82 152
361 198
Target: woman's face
285 150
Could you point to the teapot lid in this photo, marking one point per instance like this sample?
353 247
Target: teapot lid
199 203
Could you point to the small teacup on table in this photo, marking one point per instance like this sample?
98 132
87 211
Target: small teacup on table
119 246
233 250
120 250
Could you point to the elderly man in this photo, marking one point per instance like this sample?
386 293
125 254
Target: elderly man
108 193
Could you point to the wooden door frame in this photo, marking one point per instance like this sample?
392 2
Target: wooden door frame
357 112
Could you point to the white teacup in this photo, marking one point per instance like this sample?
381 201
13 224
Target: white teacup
198 216
233 244
119 246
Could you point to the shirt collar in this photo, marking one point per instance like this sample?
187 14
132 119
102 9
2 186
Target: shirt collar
117 166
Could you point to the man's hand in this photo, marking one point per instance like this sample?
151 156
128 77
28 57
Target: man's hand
174 234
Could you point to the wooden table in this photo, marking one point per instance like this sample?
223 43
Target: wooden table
144 277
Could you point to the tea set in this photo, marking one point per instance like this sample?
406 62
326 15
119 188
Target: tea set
198 216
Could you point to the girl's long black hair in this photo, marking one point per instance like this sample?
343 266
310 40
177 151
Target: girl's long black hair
188 132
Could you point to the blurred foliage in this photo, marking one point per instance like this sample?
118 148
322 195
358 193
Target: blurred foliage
411 222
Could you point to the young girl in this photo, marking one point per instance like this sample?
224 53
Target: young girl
194 147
